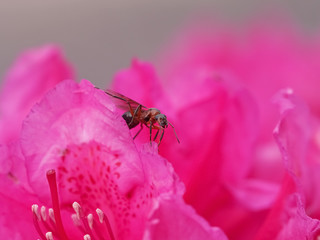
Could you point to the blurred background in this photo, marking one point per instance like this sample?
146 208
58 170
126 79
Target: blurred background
101 37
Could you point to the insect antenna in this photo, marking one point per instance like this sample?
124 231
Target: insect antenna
174 132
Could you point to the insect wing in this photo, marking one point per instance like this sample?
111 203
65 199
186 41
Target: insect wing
123 102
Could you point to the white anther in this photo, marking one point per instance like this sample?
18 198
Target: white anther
51 214
100 215
90 220
77 208
35 210
49 236
43 213
87 237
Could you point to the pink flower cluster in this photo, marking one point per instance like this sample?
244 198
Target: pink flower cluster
71 170
246 109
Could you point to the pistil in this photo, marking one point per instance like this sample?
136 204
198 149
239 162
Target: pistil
51 176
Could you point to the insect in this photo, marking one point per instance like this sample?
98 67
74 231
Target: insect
137 114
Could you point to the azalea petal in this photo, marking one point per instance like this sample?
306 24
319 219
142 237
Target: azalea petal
176 220
5 162
288 217
255 194
16 196
63 118
222 154
33 74
128 82
13 175
296 223
295 122
297 136
15 223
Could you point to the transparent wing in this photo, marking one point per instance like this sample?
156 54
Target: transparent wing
123 102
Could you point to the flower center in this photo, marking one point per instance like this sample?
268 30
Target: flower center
49 223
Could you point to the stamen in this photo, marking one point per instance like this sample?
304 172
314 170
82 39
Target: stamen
104 218
51 176
51 221
36 219
80 215
77 208
35 210
43 213
87 237
46 224
100 215
90 220
51 215
49 236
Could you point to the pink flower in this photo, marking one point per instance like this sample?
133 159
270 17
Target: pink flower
108 188
215 88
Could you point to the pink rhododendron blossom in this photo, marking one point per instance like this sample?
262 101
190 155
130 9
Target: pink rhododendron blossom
75 162
296 212
108 188
33 74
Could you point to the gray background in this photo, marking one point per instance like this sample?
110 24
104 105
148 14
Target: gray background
101 37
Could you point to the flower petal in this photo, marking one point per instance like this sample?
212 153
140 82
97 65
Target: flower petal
70 113
289 216
33 74
129 82
176 220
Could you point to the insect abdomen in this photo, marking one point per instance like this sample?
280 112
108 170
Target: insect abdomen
128 118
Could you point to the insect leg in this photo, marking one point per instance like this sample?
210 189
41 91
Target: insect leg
174 131
156 135
150 133
135 113
161 137
141 127
131 111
